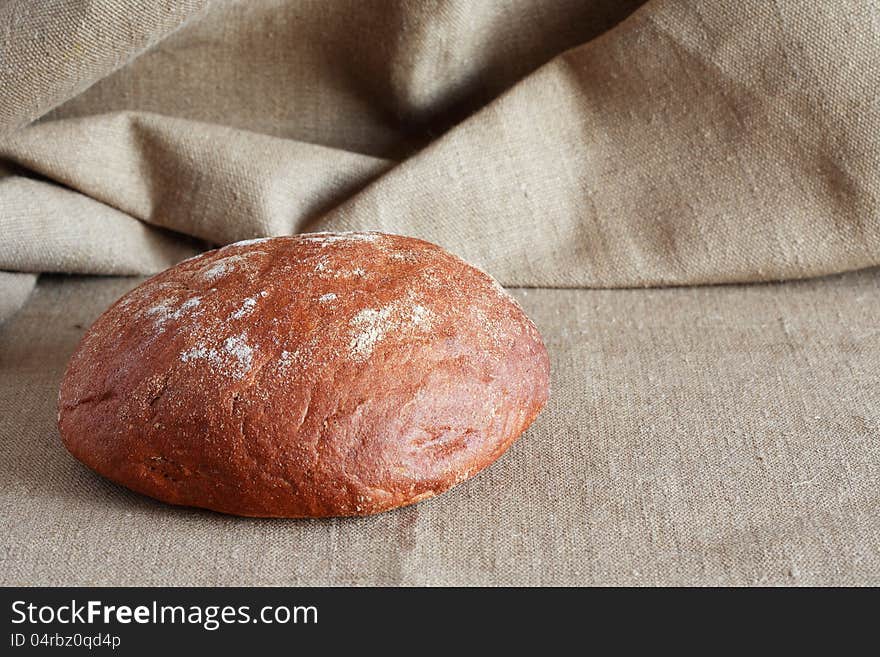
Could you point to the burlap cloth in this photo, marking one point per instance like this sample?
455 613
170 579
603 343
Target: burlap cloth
700 434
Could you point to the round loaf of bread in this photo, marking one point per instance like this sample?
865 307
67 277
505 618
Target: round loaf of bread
326 374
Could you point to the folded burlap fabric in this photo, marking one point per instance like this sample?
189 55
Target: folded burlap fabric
556 144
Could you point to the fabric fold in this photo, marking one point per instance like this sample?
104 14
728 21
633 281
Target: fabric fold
209 181
49 228
15 287
52 50
687 144
692 144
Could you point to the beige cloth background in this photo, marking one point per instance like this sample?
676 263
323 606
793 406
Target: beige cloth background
696 435
720 435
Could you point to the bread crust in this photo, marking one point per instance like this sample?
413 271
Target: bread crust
325 374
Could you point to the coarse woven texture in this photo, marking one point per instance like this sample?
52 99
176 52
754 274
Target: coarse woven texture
557 143
722 435
719 435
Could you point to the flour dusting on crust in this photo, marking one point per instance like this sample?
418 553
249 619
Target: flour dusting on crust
372 325
256 240
223 266
288 359
247 306
322 265
353 337
233 357
164 311
327 239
